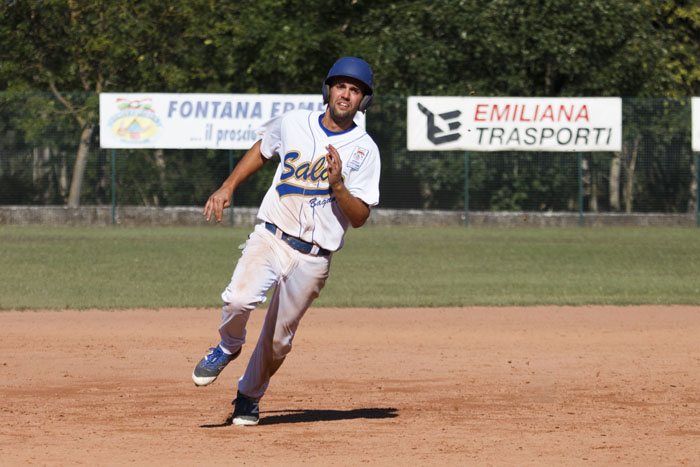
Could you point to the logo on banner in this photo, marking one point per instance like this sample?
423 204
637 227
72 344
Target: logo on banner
436 134
135 121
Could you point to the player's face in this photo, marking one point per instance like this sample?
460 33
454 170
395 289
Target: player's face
344 98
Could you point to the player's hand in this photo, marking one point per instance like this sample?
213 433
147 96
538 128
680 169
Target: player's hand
335 166
217 202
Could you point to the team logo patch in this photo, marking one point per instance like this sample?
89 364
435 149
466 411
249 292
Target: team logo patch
357 158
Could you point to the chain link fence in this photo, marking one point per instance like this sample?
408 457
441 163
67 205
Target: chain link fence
656 171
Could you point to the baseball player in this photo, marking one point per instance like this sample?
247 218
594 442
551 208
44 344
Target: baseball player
326 180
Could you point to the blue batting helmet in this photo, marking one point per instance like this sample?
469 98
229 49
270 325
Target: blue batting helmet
354 68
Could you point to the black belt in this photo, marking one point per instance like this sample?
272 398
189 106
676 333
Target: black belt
304 247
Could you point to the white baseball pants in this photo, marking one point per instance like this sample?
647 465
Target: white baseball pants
298 278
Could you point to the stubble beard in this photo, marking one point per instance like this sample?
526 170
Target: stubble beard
342 117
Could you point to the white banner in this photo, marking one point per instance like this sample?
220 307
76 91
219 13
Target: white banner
514 124
695 126
196 121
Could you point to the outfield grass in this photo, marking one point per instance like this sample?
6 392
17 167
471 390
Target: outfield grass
108 267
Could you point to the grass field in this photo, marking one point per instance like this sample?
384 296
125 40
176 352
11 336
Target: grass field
158 267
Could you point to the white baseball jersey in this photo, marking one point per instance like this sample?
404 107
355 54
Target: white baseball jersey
299 200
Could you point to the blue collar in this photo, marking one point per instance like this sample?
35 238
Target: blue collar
333 133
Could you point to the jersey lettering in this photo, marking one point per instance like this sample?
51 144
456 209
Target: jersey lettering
304 172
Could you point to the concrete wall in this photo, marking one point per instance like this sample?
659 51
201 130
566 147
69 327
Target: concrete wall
137 215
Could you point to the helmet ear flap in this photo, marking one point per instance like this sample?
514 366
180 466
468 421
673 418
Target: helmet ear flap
365 102
325 91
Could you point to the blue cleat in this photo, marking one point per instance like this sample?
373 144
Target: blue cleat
246 412
209 367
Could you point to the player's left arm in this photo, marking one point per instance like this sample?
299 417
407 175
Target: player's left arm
356 210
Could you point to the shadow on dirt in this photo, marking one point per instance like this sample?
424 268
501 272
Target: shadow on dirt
305 416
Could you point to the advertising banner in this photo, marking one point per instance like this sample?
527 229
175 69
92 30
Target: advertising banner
582 124
194 121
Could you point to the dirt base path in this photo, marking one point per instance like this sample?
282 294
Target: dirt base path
475 386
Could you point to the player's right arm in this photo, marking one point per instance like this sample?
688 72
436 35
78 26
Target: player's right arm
251 162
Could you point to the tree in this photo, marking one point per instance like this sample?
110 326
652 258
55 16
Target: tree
551 48
63 46
678 25
416 47
94 46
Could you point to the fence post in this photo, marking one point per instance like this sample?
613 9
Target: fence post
114 186
230 169
466 188
580 189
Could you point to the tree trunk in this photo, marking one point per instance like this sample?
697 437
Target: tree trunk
101 185
629 180
76 185
593 200
159 156
88 126
63 176
40 172
693 199
590 184
426 194
614 183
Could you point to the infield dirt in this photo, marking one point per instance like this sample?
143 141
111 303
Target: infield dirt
473 386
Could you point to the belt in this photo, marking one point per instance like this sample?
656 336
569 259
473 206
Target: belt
304 247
